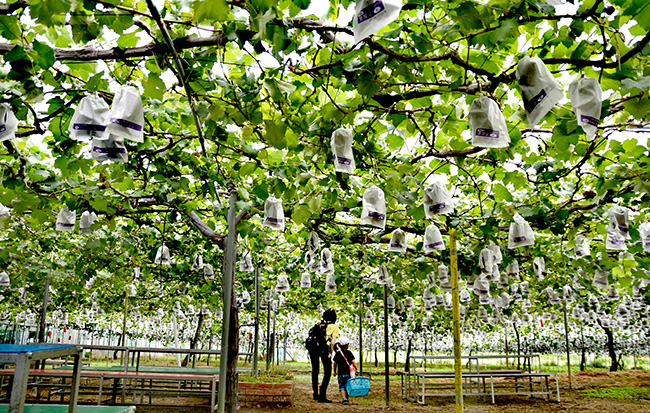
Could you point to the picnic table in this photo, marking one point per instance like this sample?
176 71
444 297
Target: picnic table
23 355
138 351
140 383
475 379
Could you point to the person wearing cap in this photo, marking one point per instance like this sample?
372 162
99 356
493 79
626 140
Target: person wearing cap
328 322
345 364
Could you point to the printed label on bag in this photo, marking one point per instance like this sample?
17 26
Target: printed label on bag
519 239
434 245
343 161
623 228
88 126
275 220
487 133
531 104
376 215
396 246
3 128
127 124
370 11
589 120
65 224
617 241
437 207
108 150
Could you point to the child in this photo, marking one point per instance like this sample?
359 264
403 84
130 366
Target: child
344 362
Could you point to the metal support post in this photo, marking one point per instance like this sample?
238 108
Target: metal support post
257 322
568 350
386 365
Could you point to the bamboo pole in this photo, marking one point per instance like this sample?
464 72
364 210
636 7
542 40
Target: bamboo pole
458 379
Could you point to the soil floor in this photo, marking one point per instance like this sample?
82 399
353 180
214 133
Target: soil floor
571 400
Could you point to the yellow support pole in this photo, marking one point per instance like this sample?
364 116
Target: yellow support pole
458 378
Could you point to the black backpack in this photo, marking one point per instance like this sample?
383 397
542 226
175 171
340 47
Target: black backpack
317 339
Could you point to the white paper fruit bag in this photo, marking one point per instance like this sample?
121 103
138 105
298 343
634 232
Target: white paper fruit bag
437 200
587 101
520 234
65 220
488 125
342 150
433 239
539 89
8 123
89 120
126 118
246 262
305 280
326 263
372 15
273 213
644 231
397 241
162 256
374 207
86 221
109 149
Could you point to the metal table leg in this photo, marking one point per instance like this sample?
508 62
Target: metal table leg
212 393
74 385
101 387
492 388
19 389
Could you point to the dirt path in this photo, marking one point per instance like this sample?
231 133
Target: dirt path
571 401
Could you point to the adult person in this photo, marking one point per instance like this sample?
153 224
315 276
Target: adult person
323 354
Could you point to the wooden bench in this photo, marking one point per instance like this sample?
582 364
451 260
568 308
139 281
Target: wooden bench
133 377
52 408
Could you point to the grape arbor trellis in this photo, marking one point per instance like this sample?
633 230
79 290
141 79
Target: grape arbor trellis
262 87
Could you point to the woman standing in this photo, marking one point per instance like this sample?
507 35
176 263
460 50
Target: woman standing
323 355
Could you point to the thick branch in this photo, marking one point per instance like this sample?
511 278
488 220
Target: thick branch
448 154
116 53
609 197
602 63
204 229
10 8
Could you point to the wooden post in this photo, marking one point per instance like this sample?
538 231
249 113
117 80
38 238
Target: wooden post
41 330
458 379
227 282
123 338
